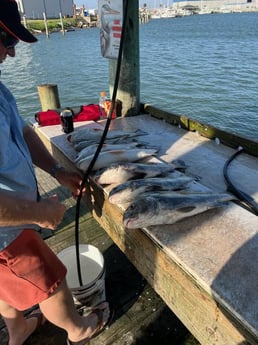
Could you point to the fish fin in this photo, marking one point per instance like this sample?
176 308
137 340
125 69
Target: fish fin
179 164
139 176
152 188
96 130
183 188
141 132
115 152
220 204
186 209
189 191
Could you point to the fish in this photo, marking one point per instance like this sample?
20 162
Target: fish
120 173
90 150
128 191
95 134
169 208
107 158
79 146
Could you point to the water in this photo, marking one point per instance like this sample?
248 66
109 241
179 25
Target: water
201 66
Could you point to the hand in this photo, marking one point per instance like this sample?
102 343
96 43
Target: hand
51 213
71 180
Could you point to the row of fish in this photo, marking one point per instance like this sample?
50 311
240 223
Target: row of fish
153 193
85 137
151 197
119 147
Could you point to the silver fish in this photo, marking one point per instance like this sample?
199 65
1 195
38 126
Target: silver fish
169 208
109 157
116 141
95 134
128 191
90 150
120 173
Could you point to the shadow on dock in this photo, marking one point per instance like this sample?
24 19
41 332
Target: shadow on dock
141 317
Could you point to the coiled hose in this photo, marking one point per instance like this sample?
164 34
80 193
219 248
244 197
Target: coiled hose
244 199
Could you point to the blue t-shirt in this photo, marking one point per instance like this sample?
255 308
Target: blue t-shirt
17 175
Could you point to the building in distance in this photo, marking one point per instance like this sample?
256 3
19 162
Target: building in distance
34 9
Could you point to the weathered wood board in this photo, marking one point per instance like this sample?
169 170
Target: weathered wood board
203 267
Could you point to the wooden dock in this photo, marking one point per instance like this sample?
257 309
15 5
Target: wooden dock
194 265
141 317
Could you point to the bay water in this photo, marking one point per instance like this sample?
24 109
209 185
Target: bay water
201 66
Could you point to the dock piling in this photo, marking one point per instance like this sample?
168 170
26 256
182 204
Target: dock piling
48 95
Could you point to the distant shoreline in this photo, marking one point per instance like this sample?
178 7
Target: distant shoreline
37 26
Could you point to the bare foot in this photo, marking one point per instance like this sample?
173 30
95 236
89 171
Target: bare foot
32 322
95 323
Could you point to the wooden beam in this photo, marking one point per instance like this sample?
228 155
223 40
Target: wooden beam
129 82
207 131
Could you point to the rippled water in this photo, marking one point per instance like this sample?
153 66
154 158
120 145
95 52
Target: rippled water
205 67
202 66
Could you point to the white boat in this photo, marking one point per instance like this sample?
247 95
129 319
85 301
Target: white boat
155 16
168 13
205 11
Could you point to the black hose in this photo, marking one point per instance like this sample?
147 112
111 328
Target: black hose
102 140
245 200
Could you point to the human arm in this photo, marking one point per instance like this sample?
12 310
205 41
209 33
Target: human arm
44 160
47 213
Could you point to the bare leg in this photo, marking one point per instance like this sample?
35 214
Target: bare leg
19 328
59 309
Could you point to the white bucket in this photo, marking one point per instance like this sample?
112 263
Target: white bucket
92 292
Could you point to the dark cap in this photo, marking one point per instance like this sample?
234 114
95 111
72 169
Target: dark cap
10 21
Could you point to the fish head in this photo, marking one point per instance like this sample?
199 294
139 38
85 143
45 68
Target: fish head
139 211
125 192
114 174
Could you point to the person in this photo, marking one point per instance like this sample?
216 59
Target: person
31 275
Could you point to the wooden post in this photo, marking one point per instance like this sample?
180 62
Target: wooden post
62 23
61 18
48 95
46 26
24 21
129 84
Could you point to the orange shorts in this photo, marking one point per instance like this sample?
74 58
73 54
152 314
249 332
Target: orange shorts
29 271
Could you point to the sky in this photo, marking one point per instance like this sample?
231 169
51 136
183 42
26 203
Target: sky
94 3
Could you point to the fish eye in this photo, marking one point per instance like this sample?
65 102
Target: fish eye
132 206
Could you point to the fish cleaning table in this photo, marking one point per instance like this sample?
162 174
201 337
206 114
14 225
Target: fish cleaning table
204 267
